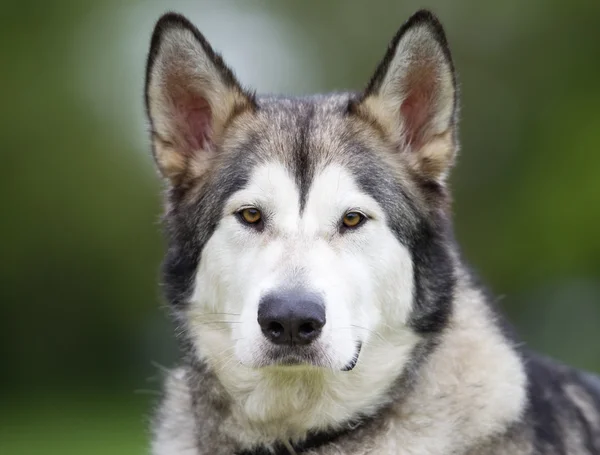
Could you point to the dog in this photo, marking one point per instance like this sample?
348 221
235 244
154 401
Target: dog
319 297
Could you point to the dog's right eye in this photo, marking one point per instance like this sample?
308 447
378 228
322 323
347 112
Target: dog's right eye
250 216
352 220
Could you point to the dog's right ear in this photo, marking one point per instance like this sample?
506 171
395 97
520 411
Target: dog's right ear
190 97
412 97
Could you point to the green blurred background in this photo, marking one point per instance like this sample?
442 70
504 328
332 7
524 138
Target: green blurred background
81 328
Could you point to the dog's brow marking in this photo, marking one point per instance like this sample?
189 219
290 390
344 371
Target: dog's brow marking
303 162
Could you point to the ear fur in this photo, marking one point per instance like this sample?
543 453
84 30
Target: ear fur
190 97
413 96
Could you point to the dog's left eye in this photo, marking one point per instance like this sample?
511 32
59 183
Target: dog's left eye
352 220
250 216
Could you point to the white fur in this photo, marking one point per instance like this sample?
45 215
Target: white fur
365 276
472 387
176 432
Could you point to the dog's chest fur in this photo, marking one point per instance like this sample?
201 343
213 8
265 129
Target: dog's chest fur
452 405
470 397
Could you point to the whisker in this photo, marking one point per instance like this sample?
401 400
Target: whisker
231 359
225 350
217 322
160 367
374 332
219 314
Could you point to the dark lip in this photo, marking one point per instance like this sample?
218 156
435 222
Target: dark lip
304 356
350 366
292 357
290 361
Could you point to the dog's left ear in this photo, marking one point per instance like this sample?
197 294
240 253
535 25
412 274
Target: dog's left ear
191 96
412 96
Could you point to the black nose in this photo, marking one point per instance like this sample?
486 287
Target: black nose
291 317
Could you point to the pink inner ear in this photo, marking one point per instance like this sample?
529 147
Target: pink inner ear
193 123
416 109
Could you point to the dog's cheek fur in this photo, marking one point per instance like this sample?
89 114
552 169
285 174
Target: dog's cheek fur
369 294
224 304
366 274
417 216
391 267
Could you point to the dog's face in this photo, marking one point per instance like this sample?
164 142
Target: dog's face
301 231
303 270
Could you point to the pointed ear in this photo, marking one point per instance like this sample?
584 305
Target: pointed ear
190 97
413 97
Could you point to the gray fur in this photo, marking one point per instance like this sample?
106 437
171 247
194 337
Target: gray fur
465 389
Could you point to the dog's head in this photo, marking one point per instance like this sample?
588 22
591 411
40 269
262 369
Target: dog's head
302 230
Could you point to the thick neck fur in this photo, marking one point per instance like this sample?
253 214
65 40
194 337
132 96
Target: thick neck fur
471 386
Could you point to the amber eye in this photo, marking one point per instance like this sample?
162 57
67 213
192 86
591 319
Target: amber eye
353 219
250 215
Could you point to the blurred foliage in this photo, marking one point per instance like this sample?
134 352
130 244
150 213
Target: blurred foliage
80 319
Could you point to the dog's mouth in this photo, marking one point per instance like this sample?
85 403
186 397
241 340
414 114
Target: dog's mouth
350 366
305 356
293 356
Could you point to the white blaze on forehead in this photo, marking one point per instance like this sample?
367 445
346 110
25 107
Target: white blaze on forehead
273 189
333 192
